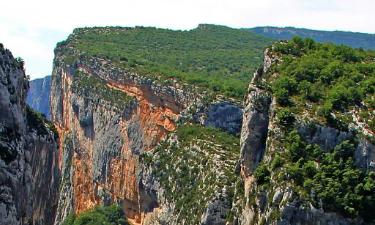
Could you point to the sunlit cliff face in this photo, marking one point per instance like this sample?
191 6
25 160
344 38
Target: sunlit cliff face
155 121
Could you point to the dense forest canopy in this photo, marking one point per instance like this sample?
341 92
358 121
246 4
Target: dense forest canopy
219 58
326 80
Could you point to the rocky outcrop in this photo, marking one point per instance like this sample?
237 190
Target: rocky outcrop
255 125
29 176
262 138
38 96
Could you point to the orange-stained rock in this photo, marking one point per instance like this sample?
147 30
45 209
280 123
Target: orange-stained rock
156 120
60 132
63 126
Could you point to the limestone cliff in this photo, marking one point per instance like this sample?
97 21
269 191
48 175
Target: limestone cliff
38 96
275 191
29 176
110 117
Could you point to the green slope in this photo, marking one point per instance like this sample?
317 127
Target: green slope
325 80
219 58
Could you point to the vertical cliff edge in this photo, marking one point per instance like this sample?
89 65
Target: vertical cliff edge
29 175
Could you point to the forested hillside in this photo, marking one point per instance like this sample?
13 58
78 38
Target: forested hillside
219 58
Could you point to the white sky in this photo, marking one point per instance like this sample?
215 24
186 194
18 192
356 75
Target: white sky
31 28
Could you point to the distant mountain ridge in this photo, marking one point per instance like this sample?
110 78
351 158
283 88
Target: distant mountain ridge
353 39
39 94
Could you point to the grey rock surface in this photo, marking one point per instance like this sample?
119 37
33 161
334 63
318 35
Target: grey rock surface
255 124
38 96
29 174
226 116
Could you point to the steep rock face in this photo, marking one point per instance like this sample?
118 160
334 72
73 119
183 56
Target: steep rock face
261 138
29 176
38 96
255 126
104 128
224 115
110 117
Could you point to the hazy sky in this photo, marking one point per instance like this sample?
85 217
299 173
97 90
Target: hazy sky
31 28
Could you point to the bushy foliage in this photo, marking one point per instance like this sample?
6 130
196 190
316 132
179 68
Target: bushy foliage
37 121
331 177
285 117
330 78
101 215
262 174
192 167
20 63
214 57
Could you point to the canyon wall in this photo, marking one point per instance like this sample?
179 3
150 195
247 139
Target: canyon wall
108 118
29 175
170 151
38 95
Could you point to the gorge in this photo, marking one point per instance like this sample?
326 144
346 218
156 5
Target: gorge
154 121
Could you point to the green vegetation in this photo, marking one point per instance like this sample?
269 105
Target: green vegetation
213 57
262 174
193 167
325 79
326 85
101 215
328 177
332 176
285 117
89 86
37 121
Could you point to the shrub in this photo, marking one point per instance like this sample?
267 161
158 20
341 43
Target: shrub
295 147
101 215
262 174
285 117
282 97
38 122
276 162
335 79
332 176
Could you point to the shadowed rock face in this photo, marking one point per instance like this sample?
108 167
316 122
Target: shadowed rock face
254 129
38 96
29 176
226 116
